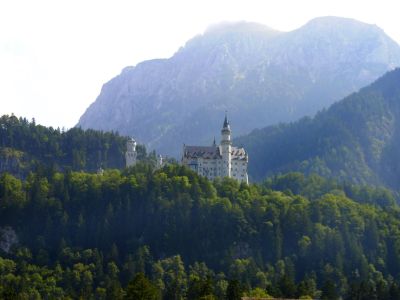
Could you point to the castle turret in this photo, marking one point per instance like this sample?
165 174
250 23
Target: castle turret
131 154
226 148
160 162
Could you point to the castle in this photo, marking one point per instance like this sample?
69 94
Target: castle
222 160
130 154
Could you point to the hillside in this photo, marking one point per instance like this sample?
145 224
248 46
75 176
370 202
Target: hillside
356 139
26 146
77 235
261 76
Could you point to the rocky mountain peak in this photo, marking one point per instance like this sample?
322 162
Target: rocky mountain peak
260 75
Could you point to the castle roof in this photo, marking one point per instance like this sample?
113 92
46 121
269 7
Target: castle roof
238 153
225 126
211 152
226 123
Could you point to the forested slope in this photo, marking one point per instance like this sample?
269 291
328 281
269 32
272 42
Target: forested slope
26 146
86 235
356 139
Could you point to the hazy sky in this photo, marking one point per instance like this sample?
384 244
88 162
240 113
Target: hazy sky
55 55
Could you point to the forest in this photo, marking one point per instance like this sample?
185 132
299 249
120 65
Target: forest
141 233
356 139
69 232
26 146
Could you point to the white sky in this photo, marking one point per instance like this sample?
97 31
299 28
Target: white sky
55 55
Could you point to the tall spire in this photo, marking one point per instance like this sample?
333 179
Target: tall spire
226 123
226 131
226 148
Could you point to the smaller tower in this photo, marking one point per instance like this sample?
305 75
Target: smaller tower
100 171
131 154
226 148
159 162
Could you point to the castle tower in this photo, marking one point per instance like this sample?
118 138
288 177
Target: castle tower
131 154
226 148
160 163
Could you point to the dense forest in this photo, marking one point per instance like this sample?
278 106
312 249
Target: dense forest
27 146
356 139
70 232
142 233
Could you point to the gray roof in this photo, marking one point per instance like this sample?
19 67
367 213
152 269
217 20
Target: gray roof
212 152
226 123
238 153
201 151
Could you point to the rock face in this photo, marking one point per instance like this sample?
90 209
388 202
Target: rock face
261 76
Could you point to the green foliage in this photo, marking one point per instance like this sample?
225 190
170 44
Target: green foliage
85 235
140 288
234 290
257 293
313 187
329 291
355 140
25 146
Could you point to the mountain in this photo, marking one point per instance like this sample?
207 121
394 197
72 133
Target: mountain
260 75
356 139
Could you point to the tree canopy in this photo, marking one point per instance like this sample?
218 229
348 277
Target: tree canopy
172 234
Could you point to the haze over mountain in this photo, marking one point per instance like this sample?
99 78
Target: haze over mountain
260 75
356 139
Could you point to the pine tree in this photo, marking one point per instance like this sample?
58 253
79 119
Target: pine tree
140 288
234 290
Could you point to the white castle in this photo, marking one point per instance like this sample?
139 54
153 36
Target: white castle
218 161
130 154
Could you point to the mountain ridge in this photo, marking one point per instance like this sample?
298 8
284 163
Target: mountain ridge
253 74
356 139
